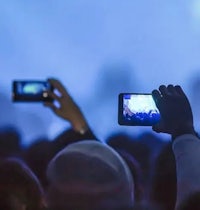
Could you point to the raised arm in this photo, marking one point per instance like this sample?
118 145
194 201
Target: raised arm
177 120
66 108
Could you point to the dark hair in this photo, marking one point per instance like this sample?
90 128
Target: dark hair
164 179
191 203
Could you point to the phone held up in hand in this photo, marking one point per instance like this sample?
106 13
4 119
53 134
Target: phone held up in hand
135 109
31 91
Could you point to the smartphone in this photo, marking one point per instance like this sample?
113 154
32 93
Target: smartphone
31 91
137 109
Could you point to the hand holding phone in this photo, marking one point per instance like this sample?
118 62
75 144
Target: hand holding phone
175 109
137 110
65 107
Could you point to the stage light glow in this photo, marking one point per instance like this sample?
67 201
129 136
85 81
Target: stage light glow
75 41
195 11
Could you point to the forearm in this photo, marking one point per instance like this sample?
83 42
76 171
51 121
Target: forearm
187 150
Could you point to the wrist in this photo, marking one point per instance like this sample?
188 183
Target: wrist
82 130
80 127
184 130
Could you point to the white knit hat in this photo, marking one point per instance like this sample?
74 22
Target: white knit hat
90 167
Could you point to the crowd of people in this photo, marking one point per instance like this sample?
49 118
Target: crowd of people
78 171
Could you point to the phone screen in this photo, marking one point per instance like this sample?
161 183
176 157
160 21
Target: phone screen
31 91
137 109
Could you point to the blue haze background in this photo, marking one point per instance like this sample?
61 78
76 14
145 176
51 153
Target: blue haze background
97 49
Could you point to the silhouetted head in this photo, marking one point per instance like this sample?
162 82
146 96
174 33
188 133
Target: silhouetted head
10 142
191 203
135 148
38 155
164 179
19 187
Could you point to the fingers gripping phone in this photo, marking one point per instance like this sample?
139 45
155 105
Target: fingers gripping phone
31 91
136 109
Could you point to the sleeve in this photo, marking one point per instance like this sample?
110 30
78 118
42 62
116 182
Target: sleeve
186 149
71 136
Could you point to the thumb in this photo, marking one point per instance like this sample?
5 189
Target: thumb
159 127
